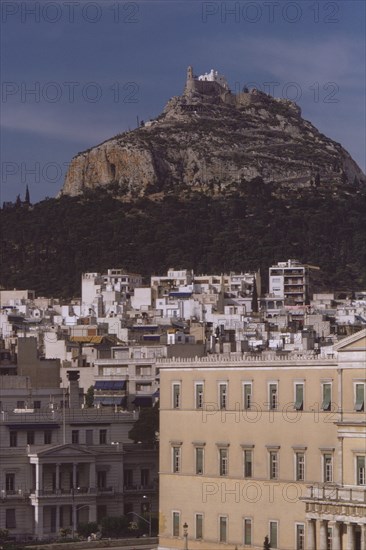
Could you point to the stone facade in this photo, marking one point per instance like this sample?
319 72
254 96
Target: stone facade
254 446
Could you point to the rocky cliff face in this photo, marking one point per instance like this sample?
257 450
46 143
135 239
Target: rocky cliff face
214 142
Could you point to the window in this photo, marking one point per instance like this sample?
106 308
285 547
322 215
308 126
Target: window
176 396
199 395
176 522
199 526
299 397
327 468
89 437
248 463
102 437
360 465
360 397
300 466
329 538
327 396
13 438
30 438
10 482
247 396
247 531
75 437
223 528
10 522
145 477
273 396
300 536
273 534
101 479
199 460
20 404
222 395
47 437
273 465
176 460
36 404
223 462
128 477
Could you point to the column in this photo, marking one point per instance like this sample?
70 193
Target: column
311 534
39 477
323 535
38 519
57 477
74 474
363 535
74 518
336 538
92 512
92 475
57 520
350 536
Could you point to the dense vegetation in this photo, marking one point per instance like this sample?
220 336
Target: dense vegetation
46 247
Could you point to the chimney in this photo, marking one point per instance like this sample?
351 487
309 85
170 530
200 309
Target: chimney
74 399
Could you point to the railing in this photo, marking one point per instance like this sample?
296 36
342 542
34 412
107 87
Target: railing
106 490
237 357
19 493
64 493
338 494
139 488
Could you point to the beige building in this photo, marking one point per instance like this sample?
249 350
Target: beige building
253 446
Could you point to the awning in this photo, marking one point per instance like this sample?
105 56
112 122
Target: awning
142 401
109 400
110 385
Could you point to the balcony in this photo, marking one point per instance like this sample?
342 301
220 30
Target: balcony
12 495
102 491
139 488
64 494
351 496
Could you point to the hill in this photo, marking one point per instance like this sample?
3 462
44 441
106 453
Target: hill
46 247
210 140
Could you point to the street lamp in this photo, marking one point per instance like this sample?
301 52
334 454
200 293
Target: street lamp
148 504
185 535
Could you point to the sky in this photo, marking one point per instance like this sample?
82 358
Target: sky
75 73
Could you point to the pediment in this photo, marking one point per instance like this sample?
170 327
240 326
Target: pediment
354 342
66 451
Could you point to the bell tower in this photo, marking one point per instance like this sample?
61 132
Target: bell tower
190 80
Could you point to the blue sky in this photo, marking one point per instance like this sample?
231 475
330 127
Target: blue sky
75 73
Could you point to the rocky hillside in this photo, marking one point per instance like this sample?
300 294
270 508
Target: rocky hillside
214 143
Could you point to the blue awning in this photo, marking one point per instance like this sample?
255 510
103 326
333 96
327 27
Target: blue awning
110 385
109 400
142 401
177 294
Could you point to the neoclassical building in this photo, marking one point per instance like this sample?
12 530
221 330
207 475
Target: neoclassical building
256 445
62 465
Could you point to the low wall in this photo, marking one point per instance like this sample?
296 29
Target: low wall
141 541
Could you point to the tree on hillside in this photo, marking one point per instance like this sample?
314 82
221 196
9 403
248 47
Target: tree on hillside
254 297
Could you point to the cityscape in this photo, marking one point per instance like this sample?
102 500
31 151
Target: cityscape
240 379
183 275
